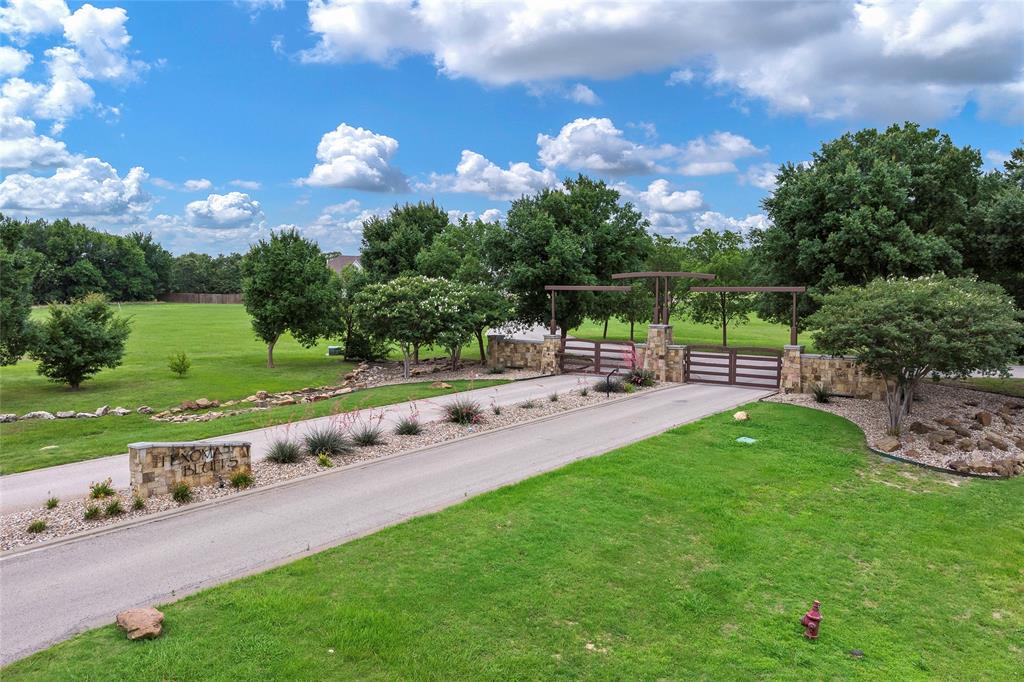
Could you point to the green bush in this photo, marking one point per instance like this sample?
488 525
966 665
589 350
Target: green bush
324 460
584 391
37 526
92 511
821 393
463 411
241 479
114 507
327 440
628 387
179 364
408 426
367 435
284 451
138 503
610 385
79 339
640 377
181 493
98 491
553 398
527 404
52 503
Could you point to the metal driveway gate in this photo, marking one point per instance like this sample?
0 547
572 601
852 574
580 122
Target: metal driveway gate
585 356
753 367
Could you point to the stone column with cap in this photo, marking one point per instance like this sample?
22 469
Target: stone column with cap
656 357
550 347
792 379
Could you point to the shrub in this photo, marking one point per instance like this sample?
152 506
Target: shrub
79 339
241 479
179 364
138 503
495 409
821 393
324 460
553 398
640 377
114 507
92 511
367 435
463 411
628 388
52 503
327 440
527 405
98 491
181 493
284 451
499 369
610 385
37 526
584 391
408 426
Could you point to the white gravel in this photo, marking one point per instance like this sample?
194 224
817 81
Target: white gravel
936 401
68 517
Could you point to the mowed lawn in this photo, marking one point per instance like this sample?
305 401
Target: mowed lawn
756 332
686 556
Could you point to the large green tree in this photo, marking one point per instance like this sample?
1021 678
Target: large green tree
79 339
722 254
158 259
18 267
287 287
391 244
579 234
904 329
868 204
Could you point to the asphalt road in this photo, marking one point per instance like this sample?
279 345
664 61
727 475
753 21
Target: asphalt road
70 481
52 592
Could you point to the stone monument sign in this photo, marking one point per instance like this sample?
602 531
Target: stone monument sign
158 467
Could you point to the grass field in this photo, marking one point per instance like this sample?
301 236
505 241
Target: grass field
757 332
1011 386
687 556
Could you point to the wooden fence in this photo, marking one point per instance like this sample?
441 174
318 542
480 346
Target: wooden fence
200 298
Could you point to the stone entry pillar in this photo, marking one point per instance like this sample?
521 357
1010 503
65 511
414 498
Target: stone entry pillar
656 357
791 380
549 353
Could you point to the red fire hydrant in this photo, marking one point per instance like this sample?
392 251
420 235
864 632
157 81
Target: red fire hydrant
812 621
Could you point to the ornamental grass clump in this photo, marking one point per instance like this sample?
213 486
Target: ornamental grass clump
821 393
463 411
284 451
91 512
181 493
37 526
114 507
553 398
610 385
367 435
328 440
98 491
241 479
408 426
324 460
640 377
52 503
138 503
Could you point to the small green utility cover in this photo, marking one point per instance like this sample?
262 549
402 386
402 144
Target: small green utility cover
744 439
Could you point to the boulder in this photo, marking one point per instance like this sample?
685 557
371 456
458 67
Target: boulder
984 418
888 444
120 411
189 405
965 444
287 400
920 428
102 411
959 465
204 403
440 384
38 414
997 442
70 414
1004 467
86 415
913 453
145 409
229 403
341 391
945 436
985 446
262 395
939 448
1019 441
8 417
146 623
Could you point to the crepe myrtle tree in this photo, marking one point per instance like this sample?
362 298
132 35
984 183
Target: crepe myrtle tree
400 311
287 287
903 329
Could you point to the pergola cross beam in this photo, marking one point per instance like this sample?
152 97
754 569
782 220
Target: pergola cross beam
553 288
662 292
761 290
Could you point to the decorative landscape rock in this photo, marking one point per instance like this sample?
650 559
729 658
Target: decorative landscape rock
120 411
144 409
997 442
38 414
741 416
890 444
146 623
102 411
920 428
984 418
86 415
70 414
7 418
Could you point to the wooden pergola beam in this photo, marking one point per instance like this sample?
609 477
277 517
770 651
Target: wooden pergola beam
553 288
662 289
762 290
660 273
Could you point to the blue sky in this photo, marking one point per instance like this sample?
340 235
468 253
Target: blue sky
211 124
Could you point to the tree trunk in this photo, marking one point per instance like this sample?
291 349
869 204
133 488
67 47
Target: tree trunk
725 321
897 398
405 361
455 353
270 354
480 341
415 354
631 330
605 328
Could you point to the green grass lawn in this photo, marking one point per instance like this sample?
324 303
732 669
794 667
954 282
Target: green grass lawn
1012 386
686 556
81 439
756 332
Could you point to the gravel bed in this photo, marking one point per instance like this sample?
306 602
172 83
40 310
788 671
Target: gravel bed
389 373
68 517
934 402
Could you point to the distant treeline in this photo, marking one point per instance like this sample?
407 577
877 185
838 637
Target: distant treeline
74 260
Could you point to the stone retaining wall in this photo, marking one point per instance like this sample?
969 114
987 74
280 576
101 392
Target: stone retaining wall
840 374
158 467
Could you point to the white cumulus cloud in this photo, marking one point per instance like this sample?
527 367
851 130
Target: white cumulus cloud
479 175
234 210
246 184
13 61
581 94
760 175
197 184
356 158
716 154
88 187
595 144
23 18
21 148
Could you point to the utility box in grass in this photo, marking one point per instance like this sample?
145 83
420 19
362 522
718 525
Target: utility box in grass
158 467
334 350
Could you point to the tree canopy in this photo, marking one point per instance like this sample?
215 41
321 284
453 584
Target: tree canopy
723 255
18 267
287 287
391 244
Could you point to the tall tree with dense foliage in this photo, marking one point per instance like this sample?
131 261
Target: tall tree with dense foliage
869 204
360 343
723 255
79 339
18 267
158 259
287 287
577 235
391 244
204 274
904 329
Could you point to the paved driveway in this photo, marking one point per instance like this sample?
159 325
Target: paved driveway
50 593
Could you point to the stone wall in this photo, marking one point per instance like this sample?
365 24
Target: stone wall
538 355
158 467
841 375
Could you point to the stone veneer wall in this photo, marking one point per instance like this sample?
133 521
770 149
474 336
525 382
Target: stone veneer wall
157 467
538 355
842 375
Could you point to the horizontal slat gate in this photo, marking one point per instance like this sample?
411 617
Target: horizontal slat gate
586 356
752 367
